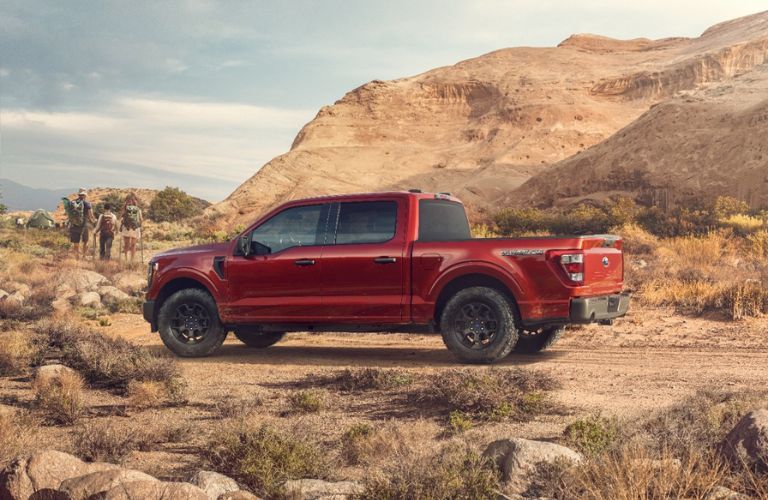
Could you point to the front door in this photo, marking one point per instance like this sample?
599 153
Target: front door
284 285
363 269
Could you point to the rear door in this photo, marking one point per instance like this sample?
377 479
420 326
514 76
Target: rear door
284 285
363 268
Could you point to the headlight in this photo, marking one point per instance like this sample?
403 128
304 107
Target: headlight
151 270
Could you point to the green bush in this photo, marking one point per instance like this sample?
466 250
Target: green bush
264 458
592 435
309 401
524 220
172 204
115 200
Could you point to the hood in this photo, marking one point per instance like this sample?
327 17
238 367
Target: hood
208 248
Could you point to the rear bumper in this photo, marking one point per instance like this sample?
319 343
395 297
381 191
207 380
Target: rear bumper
604 307
148 309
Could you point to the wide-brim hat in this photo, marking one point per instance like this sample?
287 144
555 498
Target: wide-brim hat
82 191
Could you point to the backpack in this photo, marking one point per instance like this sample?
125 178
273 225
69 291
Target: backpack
132 218
107 225
75 212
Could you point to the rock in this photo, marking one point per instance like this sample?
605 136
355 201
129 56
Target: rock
61 306
3 294
723 493
154 489
83 487
314 489
45 373
214 484
83 280
65 291
130 281
517 459
748 441
42 471
89 299
112 295
239 495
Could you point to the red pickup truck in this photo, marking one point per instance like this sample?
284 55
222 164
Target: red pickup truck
400 261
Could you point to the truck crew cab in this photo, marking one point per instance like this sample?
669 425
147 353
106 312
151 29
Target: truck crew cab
399 261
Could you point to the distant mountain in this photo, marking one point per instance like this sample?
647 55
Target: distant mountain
20 197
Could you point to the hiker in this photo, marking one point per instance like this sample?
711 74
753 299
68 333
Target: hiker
130 225
105 228
79 215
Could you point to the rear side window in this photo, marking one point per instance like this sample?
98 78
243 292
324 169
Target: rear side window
366 222
442 220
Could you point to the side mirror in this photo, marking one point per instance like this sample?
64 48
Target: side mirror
244 245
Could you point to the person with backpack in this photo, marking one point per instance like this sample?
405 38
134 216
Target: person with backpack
79 215
130 225
106 227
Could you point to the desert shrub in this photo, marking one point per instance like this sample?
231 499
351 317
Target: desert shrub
365 379
307 401
115 200
263 458
17 432
494 394
34 307
454 472
457 423
146 394
17 352
60 398
130 305
172 204
524 220
592 435
483 231
727 206
636 240
746 300
230 407
104 441
757 244
356 443
111 362
677 222
582 219
741 224
365 444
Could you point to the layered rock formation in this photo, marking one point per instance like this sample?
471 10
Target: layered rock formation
483 127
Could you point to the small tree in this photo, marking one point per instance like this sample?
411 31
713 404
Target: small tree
171 204
115 200
3 208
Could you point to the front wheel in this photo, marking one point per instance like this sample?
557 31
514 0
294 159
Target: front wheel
189 324
478 325
259 340
538 340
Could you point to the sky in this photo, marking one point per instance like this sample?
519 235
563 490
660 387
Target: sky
199 94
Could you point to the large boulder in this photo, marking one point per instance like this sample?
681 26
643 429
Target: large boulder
214 484
112 295
314 489
517 459
748 440
92 299
43 472
153 489
130 281
85 487
238 495
83 280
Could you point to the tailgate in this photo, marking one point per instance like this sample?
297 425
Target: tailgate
603 264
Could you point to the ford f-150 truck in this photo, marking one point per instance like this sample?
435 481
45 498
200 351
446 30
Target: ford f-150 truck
399 261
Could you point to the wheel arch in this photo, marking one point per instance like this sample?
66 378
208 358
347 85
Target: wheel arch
463 281
174 286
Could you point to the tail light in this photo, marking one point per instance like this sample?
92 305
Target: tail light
571 262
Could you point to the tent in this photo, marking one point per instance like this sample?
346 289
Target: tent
41 220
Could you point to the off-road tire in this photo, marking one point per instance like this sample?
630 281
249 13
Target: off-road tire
259 340
454 318
534 342
201 306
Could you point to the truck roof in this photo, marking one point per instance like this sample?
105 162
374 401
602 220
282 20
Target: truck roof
376 195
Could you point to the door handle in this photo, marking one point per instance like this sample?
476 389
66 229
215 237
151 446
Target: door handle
304 262
385 260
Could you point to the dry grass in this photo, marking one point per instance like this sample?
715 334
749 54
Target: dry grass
592 435
454 472
17 433
106 441
17 353
308 401
366 444
146 394
365 379
232 407
262 457
492 394
60 398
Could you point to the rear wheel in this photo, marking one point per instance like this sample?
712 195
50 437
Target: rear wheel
538 340
259 340
189 324
478 325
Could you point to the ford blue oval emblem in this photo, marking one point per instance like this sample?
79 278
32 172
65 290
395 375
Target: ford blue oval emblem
605 261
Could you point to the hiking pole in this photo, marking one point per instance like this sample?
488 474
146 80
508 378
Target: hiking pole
94 245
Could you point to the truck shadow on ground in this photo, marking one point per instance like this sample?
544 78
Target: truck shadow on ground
343 356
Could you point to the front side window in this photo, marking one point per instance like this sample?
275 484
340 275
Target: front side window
294 227
366 222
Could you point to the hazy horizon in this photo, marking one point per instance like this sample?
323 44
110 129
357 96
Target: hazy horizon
199 94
